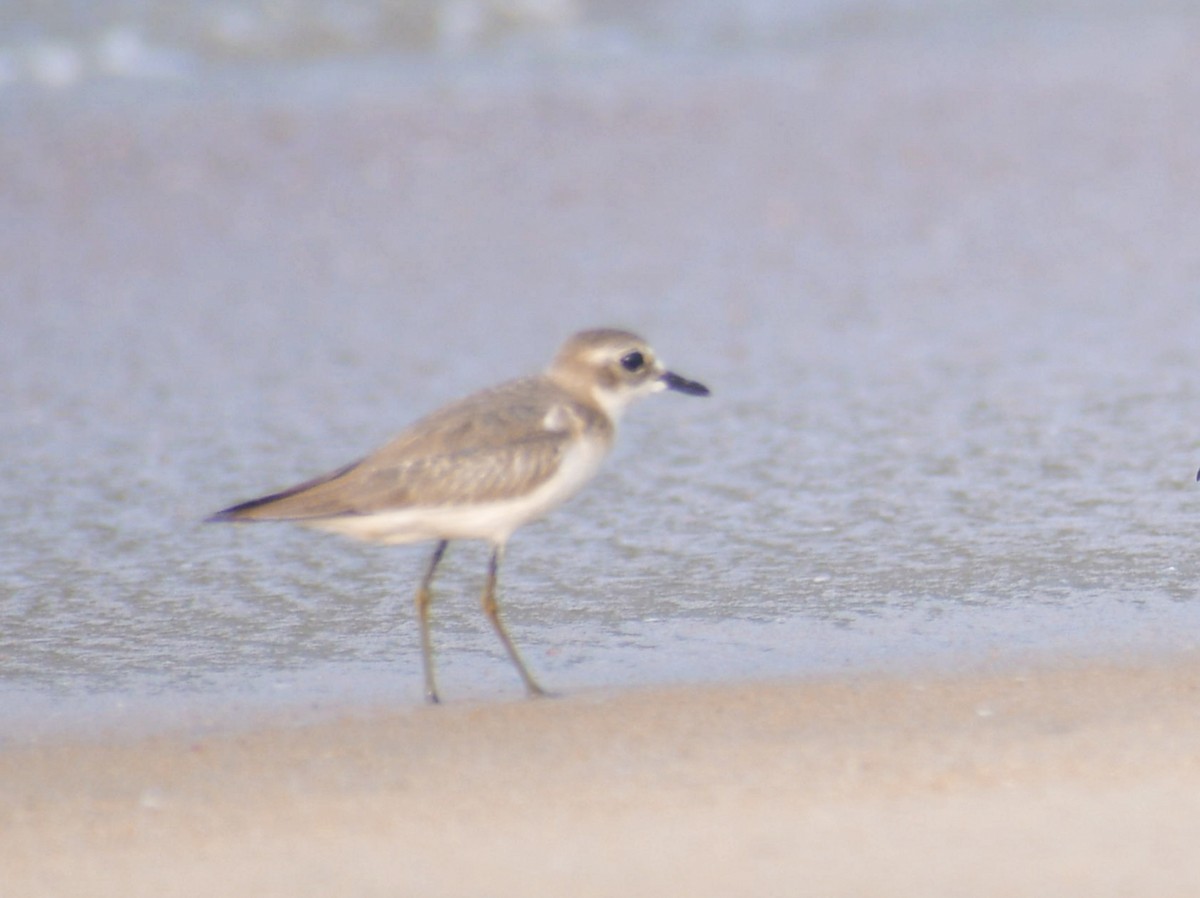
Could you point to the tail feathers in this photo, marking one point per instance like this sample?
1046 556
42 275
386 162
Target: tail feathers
260 509
242 511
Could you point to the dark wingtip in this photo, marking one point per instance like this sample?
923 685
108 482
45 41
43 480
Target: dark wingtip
240 511
1198 475
233 513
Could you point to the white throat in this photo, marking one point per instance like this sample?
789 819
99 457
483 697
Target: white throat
614 402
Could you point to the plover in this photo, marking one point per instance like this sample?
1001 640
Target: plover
481 467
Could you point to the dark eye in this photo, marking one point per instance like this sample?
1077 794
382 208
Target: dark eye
634 361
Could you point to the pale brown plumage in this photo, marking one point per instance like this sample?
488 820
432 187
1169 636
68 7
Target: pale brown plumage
492 445
481 467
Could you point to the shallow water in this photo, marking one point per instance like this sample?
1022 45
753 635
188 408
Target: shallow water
943 285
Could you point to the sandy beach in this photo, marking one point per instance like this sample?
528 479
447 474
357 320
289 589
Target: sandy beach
1078 781
941 276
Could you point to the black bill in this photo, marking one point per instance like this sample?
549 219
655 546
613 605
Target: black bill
683 385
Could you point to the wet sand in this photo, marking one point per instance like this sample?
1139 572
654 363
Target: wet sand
1079 781
942 284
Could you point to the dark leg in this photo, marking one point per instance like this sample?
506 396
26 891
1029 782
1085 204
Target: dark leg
492 610
424 600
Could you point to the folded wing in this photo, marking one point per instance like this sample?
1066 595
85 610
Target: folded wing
491 446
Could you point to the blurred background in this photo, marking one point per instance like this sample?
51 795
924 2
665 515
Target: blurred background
937 260
59 42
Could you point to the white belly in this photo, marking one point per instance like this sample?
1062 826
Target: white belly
492 521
